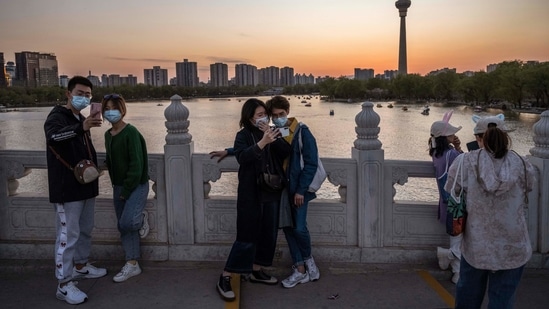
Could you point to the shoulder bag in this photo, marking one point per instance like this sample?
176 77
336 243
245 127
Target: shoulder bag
457 213
85 170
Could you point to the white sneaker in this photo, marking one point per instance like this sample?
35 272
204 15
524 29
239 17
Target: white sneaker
455 265
144 230
295 278
314 272
443 256
88 271
455 278
127 272
71 294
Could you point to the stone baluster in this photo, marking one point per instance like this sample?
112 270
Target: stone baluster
2 141
177 159
540 158
370 161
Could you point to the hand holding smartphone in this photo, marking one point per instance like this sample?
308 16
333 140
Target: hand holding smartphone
95 110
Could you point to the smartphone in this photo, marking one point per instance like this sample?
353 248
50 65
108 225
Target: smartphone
472 146
95 110
284 131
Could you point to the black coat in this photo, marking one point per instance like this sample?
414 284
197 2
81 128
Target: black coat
65 134
252 162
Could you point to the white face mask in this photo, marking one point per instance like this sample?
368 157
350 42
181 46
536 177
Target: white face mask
263 119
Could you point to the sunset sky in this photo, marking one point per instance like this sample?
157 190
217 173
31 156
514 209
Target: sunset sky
322 37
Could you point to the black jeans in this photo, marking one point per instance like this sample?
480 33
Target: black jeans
256 235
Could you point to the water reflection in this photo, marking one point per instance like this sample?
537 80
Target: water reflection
213 125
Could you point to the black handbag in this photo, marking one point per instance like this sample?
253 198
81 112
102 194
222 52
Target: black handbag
270 179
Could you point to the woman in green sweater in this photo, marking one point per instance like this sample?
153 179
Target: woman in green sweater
128 169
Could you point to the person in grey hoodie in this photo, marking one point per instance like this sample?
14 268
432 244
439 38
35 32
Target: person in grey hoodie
495 245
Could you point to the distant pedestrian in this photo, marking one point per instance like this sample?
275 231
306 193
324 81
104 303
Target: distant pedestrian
495 245
127 160
258 150
68 139
444 147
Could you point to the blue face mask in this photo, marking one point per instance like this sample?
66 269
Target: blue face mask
112 115
280 121
79 102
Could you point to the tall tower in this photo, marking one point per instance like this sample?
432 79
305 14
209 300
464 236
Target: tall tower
402 6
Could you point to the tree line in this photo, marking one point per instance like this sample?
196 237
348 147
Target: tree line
515 82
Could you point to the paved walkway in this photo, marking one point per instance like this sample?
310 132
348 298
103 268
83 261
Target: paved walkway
30 284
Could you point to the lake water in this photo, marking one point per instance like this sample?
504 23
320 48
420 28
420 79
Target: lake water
214 123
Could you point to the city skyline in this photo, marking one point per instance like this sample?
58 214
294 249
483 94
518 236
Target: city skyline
317 37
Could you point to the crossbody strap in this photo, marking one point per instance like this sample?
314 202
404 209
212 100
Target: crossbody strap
58 156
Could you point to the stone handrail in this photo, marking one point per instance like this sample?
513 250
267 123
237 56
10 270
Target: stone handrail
363 222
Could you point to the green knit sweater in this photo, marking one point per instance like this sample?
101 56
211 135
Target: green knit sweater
127 159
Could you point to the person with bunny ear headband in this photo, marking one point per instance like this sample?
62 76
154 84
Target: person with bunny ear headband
496 244
444 147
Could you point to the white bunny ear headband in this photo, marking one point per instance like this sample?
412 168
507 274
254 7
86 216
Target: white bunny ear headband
446 119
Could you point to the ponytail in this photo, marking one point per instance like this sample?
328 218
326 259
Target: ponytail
496 141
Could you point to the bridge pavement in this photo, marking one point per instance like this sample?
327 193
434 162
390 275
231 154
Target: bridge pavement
30 284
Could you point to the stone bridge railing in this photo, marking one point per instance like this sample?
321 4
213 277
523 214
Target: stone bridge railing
365 224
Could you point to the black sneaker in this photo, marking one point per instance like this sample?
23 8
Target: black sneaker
224 288
258 276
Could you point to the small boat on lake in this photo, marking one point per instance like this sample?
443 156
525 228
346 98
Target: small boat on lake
379 105
331 112
390 105
478 109
405 108
426 110
159 104
308 104
303 101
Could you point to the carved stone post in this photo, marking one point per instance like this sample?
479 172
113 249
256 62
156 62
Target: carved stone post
177 159
540 158
370 159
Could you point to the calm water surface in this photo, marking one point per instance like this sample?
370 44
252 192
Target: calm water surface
214 123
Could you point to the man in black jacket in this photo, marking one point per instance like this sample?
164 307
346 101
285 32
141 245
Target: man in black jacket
68 133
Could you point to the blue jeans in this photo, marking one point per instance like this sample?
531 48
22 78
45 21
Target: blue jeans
298 237
256 234
130 218
502 285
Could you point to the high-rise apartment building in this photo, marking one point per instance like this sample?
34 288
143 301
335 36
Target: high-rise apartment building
269 76
287 76
114 80
219 75
10 70
364 74
129 80
302 79
35 69
93 79
27 70
3 74
246 75
49 71
186 73
156 76
64 81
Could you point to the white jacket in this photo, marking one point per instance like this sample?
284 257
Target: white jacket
496 231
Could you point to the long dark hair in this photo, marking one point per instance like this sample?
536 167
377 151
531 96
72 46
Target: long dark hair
248 112
442 145
496 141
